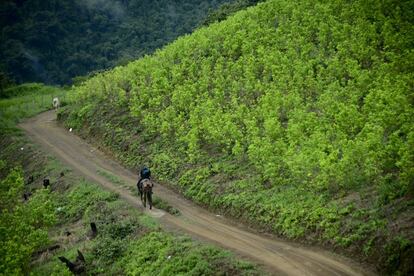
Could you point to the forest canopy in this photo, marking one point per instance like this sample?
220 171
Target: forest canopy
55 40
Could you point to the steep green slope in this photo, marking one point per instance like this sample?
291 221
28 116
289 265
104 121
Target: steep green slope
293 116
55 221
53 41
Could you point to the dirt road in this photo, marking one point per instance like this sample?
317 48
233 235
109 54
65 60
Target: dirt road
277 256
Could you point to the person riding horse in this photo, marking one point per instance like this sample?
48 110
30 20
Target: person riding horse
145 174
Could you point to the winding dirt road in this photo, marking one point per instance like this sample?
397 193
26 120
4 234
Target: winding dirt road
277 256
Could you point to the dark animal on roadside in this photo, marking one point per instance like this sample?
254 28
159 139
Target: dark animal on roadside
46 182
62 174
77 267
147 186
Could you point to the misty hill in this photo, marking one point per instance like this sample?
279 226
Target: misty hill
53 41
295 116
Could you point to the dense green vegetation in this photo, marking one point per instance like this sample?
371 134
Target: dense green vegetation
23 226
127 239
26 100
293 116
34 232
53 41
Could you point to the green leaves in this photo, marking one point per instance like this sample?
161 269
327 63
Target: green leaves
83 196
11 189
163 254
23 226
22 101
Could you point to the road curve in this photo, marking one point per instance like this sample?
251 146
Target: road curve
276 256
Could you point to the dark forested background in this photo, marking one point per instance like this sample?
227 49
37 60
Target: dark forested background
53 41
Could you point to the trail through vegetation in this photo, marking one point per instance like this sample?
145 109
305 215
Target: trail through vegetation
295 117
38 224
277 256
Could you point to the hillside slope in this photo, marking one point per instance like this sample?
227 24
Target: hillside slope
295 117
40 225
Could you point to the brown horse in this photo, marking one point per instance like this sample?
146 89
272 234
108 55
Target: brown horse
140 188
147 186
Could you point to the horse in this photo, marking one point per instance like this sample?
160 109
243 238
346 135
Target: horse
147 186
56 103
140 189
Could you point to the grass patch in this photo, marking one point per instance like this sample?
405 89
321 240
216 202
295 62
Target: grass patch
158 253
81 197
113 178
32 99
164 205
